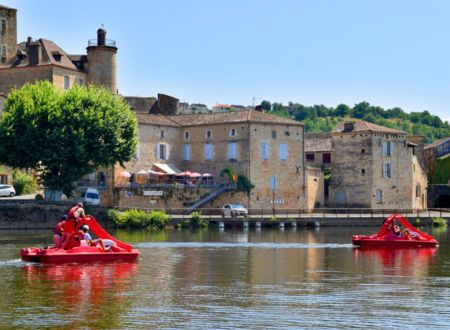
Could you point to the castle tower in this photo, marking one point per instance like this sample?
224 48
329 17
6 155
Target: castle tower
8 35
102 67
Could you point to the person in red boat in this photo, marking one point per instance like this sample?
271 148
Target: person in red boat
58 232
76 213
91 242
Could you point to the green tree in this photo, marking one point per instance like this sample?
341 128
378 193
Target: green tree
69 134
342 110
266 105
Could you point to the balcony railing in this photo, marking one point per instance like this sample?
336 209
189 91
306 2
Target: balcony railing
108 43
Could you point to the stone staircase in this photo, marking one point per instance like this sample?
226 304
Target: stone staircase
217 191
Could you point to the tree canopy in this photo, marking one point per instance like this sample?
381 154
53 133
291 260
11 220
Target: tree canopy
320 118
68 134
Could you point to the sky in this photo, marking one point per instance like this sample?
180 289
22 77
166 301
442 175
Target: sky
388 53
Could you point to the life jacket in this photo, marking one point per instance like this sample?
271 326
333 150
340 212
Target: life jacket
72 211
59 228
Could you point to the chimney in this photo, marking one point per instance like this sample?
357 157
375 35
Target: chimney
34 53
259 108
29 41
101 37
349 126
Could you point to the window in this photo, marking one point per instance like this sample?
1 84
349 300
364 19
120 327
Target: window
379 196
388 148
208 134
186 152
101 179
265 150
162 151
363 171
66 82
273 183
283 151
187 135
387 170
162 134
340 196
3 26
363 151
208 151
326 158
274 134
138 153
310 157
232 150
418 191
233 132
3 55
80 81
3 179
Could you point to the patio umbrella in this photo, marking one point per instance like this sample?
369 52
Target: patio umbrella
187 173
142 172
195 175
126 174
207 175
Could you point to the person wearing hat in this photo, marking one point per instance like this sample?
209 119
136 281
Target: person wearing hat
87 237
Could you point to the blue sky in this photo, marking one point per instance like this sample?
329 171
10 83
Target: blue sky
389 53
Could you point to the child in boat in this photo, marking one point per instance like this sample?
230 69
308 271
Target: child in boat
87 237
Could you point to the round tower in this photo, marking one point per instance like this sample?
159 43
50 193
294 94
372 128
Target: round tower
102 67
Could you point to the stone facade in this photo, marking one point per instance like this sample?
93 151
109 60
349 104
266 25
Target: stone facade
375 168
8 34
262 147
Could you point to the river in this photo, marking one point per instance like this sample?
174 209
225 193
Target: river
228 279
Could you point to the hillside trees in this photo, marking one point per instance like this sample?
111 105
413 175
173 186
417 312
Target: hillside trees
67 134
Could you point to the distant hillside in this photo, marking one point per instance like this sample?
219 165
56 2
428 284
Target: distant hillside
319 118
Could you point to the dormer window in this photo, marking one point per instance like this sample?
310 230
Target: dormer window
57 56
233 132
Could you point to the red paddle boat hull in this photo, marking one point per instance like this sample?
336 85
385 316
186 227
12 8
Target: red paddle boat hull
77 252
413 238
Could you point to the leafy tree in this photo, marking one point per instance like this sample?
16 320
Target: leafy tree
342 110
69 134
266 105
23 183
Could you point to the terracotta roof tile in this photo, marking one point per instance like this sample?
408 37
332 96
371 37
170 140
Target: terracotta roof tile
239 116
315 142
158 120
364 126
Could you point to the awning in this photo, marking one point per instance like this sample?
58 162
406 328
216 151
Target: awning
187 173
207 175
167 168
126 174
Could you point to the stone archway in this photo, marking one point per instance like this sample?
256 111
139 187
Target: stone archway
443 201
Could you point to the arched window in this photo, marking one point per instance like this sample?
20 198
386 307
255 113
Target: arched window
418 190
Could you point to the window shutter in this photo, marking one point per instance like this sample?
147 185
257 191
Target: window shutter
138 152
166 156
392 148
392 170
384 170
157 152
384 149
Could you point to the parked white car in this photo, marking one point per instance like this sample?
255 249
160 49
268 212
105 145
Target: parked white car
91 196
7 190
234 210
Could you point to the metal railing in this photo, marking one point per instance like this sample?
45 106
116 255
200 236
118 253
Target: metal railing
108 43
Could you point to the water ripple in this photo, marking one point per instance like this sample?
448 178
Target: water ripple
264 245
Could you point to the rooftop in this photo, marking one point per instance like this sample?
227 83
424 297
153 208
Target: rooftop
364 126
318 142
437 142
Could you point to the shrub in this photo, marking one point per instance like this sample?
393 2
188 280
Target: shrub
197 220
417 223
273 218
138 219
23 183
438 222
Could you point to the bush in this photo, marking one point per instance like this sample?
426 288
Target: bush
23 183
417 223
197 220
439 222
138 219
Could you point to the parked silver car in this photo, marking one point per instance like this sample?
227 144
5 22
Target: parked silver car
234 210
7 190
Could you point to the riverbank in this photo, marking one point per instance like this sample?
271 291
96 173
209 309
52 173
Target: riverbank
43 215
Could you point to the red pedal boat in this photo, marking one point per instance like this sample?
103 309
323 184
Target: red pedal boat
117 250
387 237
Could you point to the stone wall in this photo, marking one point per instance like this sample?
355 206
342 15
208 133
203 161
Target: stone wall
9 37
74 76
17 77
289 173
315 184
102 67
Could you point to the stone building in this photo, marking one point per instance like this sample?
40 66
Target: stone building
375 167
267 149
434 152
318 149
42 59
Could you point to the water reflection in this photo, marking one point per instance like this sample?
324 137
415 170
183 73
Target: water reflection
92 295
399 262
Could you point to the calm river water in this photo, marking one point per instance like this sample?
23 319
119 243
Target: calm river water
230 279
